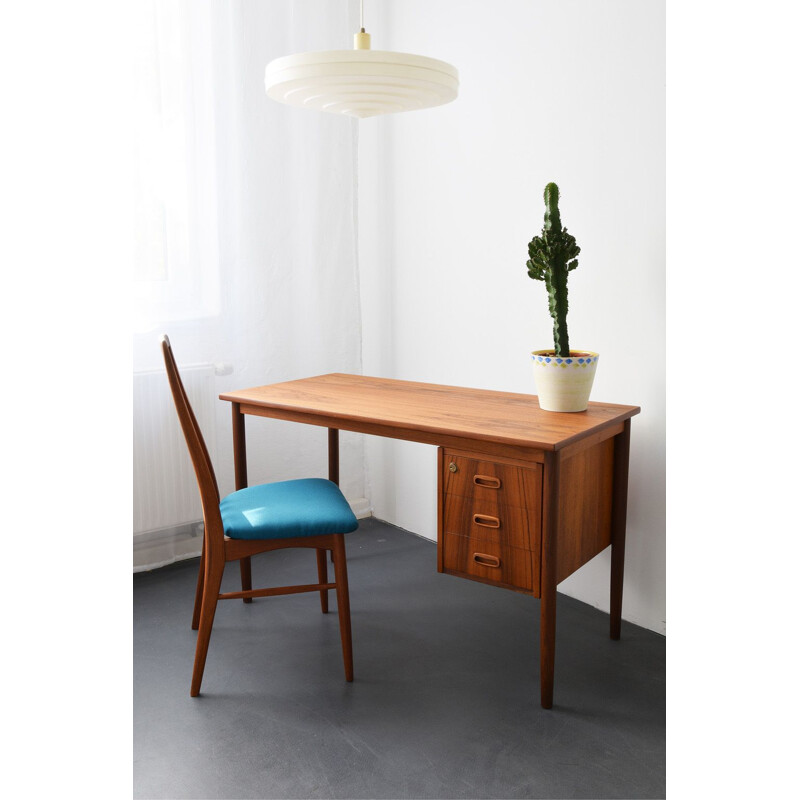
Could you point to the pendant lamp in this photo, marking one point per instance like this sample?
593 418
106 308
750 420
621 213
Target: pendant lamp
361 82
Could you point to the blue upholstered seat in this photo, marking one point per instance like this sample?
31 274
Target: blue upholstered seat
306 507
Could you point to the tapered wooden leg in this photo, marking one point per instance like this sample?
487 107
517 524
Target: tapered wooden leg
240 482
239 448
547 623
247 578
198 592
343 604
322 574
547 643
212 582
333 455
619 510
333 461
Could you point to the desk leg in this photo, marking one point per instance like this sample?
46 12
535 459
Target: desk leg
239 448
619 505
333 475
547 623
240 477
333 455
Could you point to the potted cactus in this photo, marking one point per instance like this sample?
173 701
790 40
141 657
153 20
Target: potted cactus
563 377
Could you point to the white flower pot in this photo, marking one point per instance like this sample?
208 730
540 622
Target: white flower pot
564 384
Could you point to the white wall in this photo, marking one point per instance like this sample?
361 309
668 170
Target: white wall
571 91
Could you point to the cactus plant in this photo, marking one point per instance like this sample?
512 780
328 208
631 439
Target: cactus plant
553 255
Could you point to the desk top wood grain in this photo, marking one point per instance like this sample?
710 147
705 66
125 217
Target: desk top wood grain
425 411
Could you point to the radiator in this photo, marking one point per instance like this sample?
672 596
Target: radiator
165 494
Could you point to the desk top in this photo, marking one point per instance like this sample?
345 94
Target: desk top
426 412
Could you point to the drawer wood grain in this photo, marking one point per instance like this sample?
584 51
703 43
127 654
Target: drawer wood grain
491 562
490 519
493 482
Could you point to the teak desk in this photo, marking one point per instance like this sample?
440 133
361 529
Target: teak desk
526 496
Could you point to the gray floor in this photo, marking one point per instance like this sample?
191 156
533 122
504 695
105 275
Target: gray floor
445 702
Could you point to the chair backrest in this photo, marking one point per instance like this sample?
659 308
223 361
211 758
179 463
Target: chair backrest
203 469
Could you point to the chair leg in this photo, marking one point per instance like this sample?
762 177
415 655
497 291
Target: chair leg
212 582
198 592
247 580
343 604
322 575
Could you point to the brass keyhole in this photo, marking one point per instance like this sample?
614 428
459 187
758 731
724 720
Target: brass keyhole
453 467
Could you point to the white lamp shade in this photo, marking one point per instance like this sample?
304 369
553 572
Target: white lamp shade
361 83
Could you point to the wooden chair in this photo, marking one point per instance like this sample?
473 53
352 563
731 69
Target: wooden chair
310 513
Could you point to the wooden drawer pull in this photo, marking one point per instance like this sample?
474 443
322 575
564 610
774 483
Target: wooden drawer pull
486 560
489 481
486 521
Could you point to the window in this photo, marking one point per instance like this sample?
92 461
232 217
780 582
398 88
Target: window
176 267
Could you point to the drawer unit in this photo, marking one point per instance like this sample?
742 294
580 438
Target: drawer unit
490 517
489 562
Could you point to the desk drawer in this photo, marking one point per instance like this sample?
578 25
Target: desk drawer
490 562
488 518
494 482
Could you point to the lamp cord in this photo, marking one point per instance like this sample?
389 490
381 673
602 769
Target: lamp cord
362 16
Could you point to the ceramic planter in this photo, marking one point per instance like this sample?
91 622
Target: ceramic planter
564 384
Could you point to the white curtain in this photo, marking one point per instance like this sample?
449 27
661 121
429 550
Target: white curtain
246 250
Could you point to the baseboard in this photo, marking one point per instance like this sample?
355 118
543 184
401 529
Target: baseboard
361 507
154 549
